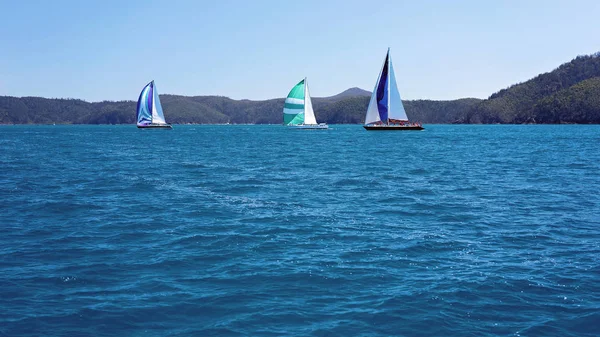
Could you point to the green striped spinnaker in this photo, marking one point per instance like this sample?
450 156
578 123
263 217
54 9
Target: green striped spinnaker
293 109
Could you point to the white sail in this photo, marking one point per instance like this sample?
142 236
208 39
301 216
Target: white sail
158 116
309 114
372 112
396 108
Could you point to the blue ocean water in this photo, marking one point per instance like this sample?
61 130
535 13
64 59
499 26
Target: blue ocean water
458 230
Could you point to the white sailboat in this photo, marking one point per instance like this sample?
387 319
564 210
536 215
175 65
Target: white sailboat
149 110
298 111
386 111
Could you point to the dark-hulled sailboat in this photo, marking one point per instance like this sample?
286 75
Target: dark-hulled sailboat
386 111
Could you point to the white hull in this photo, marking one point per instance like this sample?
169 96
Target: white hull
309 126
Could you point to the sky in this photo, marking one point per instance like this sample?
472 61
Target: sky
441 50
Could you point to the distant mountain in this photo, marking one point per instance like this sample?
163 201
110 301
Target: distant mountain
534 101
352 92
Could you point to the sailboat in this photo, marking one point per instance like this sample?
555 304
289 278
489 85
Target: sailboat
298 111
385 111
149 111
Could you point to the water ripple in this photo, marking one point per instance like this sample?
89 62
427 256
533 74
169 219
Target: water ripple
258 231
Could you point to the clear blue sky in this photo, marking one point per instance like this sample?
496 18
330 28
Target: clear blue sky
108 50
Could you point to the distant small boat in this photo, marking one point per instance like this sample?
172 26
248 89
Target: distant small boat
298 111
149 111
385 111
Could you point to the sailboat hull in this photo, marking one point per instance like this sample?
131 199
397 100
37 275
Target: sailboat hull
310 126
155 126
393 127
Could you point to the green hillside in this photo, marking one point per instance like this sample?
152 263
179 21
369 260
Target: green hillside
212 110
578 104
517 104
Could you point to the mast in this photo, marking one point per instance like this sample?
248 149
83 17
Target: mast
305 88
152 105
389 86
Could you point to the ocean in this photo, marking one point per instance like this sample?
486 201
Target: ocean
252 230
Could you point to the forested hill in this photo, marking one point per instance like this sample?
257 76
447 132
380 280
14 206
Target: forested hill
348 107
568 94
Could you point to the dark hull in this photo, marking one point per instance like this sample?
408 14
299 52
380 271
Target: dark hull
393 127
155 126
